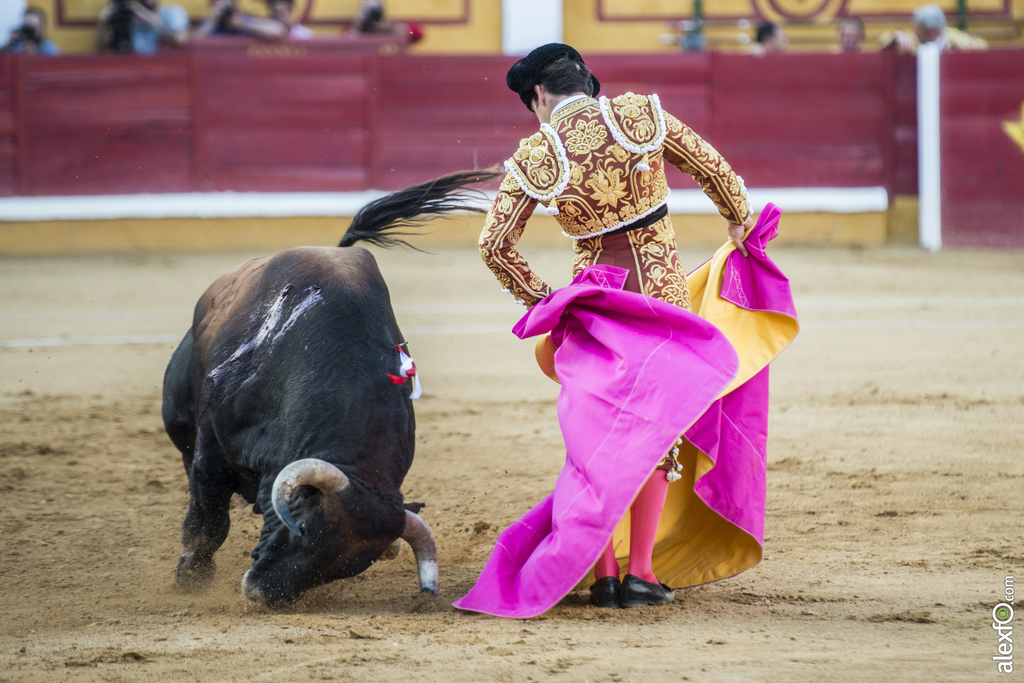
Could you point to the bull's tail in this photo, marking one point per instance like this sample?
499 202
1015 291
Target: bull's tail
383 221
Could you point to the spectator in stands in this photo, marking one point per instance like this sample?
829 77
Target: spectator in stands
370 19
282 10
851 34
770 37
140 27
691 36
226 18
30 38
930 27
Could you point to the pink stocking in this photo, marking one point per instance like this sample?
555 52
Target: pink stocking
644 517
607 565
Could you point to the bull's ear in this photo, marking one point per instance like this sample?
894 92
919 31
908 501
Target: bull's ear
414 507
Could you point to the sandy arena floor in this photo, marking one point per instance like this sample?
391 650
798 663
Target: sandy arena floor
896 488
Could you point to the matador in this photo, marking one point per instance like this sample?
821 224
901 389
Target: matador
597 165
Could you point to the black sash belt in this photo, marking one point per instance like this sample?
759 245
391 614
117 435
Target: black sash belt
649 219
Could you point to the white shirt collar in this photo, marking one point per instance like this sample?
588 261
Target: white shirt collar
567 101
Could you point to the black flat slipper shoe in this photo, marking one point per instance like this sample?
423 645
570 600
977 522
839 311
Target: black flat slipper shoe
635 592
605 592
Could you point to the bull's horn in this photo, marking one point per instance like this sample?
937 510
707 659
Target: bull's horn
417 534
308 472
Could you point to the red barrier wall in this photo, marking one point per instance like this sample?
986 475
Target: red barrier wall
793 121
322 116
903 107
102 125
435 114
328 116
264 122
331 116
7 139
439 114
982 166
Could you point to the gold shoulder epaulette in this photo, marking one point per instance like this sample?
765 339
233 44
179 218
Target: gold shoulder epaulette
540 165
637 122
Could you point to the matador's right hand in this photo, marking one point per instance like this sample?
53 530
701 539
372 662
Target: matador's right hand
737 232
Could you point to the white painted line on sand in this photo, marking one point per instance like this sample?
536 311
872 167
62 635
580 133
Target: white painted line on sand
412 331
113 340
109 340
510 309
107 317
924 302
967 324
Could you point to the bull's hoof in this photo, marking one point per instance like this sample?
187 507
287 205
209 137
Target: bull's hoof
193 572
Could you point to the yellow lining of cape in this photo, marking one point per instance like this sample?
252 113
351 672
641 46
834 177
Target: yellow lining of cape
694 545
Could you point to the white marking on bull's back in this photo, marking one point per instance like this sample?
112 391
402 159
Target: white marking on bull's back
273 315
270 332
312 298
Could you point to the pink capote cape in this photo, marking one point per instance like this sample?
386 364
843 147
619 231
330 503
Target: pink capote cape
636 372
712 526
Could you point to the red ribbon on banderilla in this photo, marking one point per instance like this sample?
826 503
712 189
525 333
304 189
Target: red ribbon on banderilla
406 370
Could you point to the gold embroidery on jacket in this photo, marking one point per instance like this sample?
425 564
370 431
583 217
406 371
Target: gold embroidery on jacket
657 263
636 118
570 109
585 137
606 187
539 165
502 230
687 151
603 189
661 271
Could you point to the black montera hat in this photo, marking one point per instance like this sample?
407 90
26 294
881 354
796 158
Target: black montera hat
524 74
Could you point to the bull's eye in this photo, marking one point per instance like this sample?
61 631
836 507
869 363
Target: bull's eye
302 528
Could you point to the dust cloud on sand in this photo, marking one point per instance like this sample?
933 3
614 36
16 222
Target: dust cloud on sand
894 501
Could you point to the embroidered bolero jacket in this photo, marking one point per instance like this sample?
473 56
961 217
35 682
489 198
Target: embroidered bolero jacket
597 167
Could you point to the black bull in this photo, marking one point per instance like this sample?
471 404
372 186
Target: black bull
280 392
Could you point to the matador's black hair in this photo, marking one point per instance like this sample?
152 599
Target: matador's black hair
526 73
